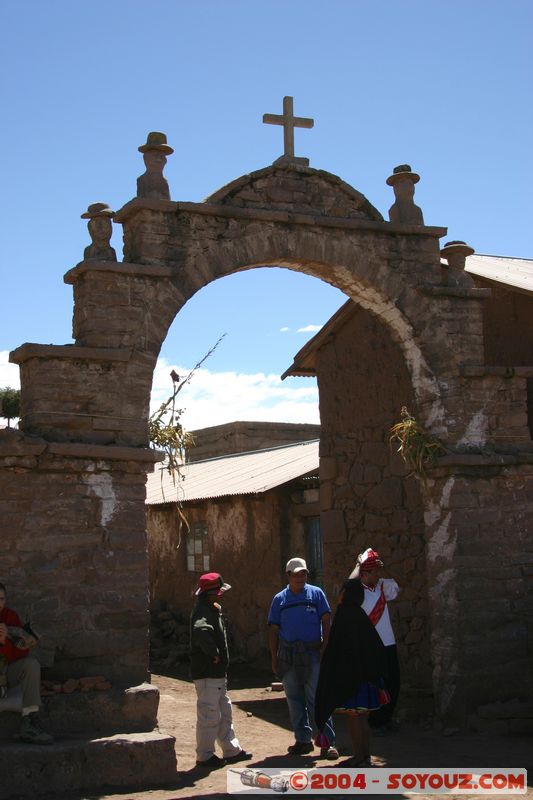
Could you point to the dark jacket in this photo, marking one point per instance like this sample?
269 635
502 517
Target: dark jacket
354 654
208 639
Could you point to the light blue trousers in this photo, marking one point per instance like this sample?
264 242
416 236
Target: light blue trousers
301 701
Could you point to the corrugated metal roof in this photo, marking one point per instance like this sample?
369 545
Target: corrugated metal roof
243 473
516 272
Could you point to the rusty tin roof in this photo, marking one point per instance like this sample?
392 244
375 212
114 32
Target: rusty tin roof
242 473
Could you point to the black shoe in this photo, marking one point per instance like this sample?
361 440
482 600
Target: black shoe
355 762
243 755
212 763
301 748
32 732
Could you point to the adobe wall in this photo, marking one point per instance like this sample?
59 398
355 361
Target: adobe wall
367 498
250 540
508 333
244 436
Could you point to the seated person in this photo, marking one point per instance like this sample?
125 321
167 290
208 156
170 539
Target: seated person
21 669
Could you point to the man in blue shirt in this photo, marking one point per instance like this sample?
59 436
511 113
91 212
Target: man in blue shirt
299 622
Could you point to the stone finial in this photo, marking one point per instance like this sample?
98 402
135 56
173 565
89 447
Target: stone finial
152 183
455 254
404 209
100 230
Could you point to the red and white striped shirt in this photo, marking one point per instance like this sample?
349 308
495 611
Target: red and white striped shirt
375 605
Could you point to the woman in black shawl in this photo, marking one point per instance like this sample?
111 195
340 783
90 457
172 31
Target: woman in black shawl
351 671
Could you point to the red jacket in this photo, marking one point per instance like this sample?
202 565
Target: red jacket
8 650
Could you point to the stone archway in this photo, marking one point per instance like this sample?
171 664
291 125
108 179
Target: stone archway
83 451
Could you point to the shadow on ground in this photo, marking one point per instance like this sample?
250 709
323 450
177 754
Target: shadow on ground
240 676
270 709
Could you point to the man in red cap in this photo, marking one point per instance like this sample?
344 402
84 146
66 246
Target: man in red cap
378 592
209 666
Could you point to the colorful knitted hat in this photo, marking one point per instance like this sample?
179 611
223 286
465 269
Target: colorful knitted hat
369 559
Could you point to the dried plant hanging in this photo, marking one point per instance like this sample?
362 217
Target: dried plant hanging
168 434
417 447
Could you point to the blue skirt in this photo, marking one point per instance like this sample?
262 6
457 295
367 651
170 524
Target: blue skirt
368 697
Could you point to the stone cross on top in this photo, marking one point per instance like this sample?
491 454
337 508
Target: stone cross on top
289 123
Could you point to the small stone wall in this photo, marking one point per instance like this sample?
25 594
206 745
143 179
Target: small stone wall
243 437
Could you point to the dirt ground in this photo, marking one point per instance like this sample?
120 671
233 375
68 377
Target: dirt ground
262 725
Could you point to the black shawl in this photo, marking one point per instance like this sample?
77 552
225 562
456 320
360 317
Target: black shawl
354 654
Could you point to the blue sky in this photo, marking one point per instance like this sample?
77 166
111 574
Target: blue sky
442 85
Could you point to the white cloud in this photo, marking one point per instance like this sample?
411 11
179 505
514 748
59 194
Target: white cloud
213 398
284 330
309 329
9 373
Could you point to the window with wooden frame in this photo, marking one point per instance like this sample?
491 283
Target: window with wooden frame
198 548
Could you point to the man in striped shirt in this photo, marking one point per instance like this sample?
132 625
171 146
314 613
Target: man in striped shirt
378 592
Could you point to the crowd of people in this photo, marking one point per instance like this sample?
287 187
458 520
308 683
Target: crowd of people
346 665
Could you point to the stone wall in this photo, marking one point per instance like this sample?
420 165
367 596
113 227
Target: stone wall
243 437
460 547
367 498
298 190
74 554
480 562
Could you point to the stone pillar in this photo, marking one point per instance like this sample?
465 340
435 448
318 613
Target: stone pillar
74 552
84 394
479 564
123 305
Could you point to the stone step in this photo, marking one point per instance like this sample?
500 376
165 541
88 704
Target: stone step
103 713
511 709
511 716
124 760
